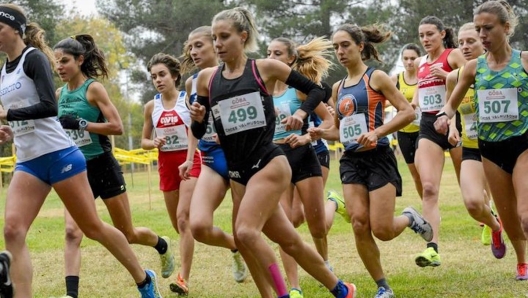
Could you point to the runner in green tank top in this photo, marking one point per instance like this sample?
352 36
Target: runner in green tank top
88 116
501 82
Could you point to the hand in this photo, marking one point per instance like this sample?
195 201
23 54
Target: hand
6 134
69 121
159 141
454 136
436 70
315 133
297 140
197 112
330 110
368 140
185 169
442 125
293 122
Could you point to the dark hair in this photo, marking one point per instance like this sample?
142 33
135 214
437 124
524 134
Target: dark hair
413 47
449 38
170 62
33 34
368 35
312 59
94 64
502 10
187 63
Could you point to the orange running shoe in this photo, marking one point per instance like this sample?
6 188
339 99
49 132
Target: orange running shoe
179 286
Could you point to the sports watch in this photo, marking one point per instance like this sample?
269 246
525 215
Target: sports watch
82 124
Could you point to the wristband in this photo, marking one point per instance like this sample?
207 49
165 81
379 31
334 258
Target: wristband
443 113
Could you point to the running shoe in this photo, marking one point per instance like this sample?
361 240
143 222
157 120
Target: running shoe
151 289
296 293
522 271
419 224
428 257
6 286
352 290
340 204
240 271
167 260
485 237
498 248
179 286
384 293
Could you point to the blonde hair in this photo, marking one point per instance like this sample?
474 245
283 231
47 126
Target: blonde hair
243 21
502 10
467 26
187 63
34 35
312 59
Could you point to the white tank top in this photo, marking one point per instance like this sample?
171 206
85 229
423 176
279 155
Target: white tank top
172 123
36 137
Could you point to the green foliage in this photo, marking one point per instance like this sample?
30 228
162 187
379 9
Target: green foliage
157 26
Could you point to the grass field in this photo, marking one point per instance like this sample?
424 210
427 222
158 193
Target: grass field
468 268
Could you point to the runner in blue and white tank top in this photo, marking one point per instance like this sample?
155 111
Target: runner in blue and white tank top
213 182
47 157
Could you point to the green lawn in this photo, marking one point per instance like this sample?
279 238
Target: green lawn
468 268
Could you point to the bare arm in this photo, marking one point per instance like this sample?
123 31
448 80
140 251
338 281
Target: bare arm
97 96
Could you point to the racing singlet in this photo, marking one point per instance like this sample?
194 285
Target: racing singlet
75 103
243 113
207 142
502 99
432 90
171 123
360 109
468 117
285 105
32 137
408 92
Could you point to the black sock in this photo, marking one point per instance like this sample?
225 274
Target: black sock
382 283
433 245
144 282
234 250
72 286
161 246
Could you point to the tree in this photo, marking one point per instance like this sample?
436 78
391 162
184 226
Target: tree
157 26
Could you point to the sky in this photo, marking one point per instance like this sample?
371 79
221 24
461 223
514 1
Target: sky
85 7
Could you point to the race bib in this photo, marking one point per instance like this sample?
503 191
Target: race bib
498 105
432 98
175 137
21 127
470 121
351 127
241 113
210 131
80 138
417 116
283 113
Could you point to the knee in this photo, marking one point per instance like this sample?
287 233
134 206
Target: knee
298 220
383 234
200 230
473 205
318 230
93 231
183 222
429 189
246 236
14 232
73 235
360 225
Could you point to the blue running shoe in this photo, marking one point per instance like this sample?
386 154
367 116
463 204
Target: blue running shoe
151 289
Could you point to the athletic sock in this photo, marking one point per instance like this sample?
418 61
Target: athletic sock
161 246
145 282
433 245
340 290
72 286
382 283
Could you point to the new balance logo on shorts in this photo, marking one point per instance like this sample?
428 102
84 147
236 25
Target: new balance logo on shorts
66 168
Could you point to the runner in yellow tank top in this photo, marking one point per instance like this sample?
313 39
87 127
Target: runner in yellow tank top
407 82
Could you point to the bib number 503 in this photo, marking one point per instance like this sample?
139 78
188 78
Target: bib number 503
432 99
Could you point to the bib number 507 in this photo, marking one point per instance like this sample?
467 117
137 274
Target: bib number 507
496 107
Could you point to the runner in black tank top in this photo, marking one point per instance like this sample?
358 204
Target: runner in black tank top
245 121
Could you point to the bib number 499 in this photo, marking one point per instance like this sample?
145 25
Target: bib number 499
242 114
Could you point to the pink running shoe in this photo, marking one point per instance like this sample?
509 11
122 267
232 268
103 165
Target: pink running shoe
498 248
522 271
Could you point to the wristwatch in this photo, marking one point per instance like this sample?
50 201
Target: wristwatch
82 124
